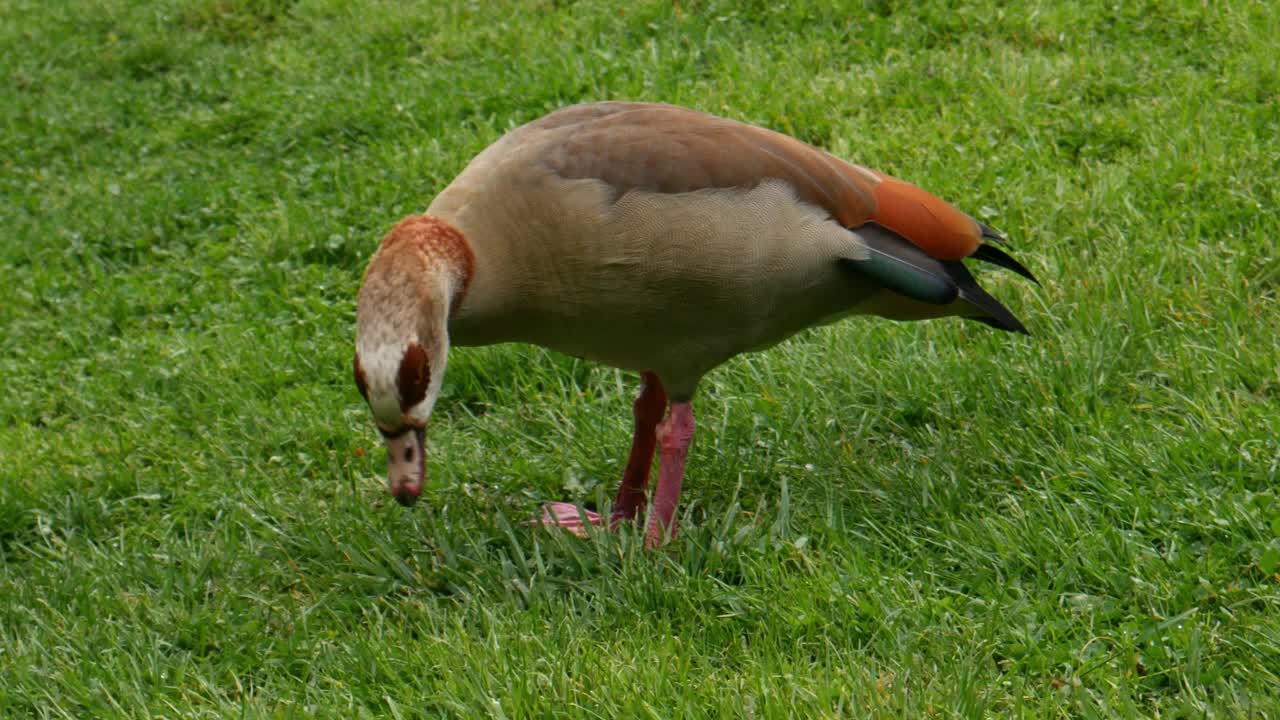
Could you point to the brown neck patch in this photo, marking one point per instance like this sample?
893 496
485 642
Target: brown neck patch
437 242
414 377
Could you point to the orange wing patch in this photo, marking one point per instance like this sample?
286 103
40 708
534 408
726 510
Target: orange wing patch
928 222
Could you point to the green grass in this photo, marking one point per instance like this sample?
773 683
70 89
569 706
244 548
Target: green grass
930 520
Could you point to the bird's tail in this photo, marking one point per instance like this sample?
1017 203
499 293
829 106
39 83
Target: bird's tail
897 264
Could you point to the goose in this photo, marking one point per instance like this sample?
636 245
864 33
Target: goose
658 240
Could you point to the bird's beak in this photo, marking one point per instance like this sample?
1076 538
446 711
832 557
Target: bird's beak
407 465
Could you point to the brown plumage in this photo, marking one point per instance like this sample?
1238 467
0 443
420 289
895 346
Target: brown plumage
656 239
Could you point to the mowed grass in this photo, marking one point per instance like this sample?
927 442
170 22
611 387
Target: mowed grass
881 520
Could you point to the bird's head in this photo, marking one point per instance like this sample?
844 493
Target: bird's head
402 312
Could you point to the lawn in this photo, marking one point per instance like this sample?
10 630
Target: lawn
881 519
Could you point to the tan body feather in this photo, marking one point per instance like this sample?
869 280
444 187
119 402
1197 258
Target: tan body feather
676 284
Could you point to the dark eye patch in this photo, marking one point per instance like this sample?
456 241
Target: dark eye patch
361 384
414 377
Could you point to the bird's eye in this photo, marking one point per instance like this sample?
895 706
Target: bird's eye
408 454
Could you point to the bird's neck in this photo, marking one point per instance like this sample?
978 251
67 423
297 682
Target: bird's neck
419 275
443 253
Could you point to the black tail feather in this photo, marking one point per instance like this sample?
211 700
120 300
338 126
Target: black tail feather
996 256
997 315
990 234
986 321
900 266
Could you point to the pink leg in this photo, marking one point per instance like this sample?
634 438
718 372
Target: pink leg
648 409
674 435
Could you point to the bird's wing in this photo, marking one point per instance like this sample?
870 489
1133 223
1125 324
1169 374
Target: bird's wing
668 149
